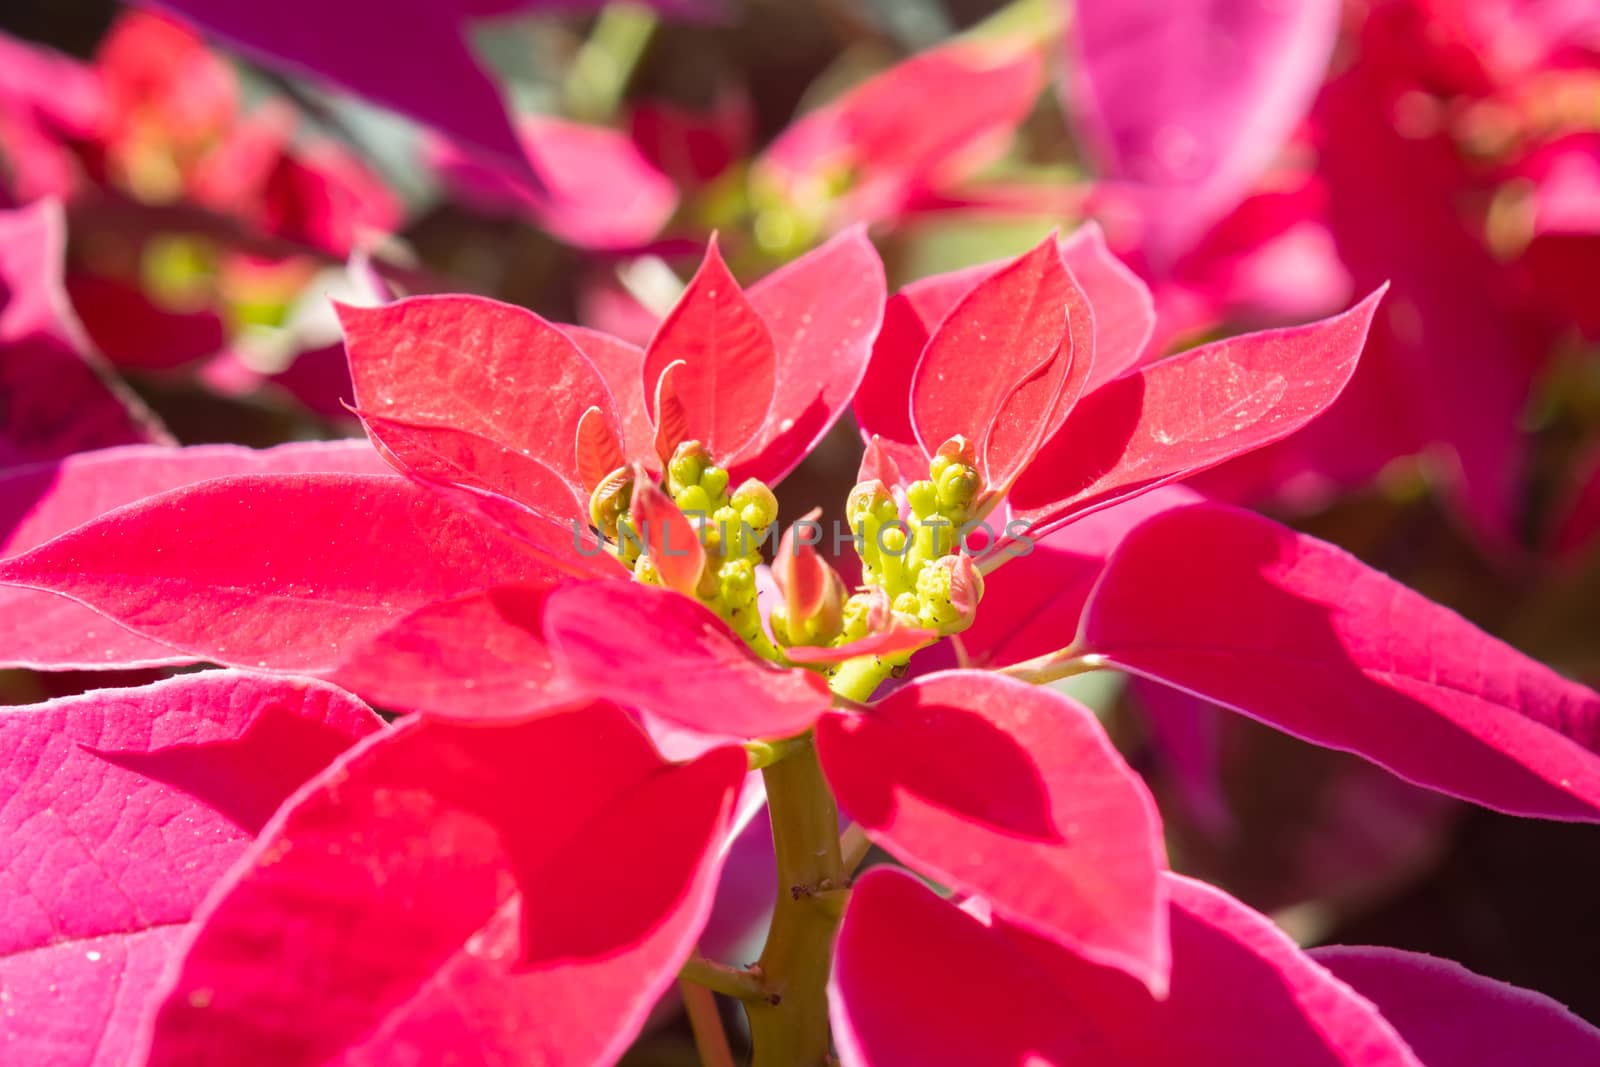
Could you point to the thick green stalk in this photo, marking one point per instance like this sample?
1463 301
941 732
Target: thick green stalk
793 1032
791 1028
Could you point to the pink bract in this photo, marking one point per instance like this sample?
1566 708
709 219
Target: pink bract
122 808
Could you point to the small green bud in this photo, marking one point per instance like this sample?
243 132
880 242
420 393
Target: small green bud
870 500
689 459
857 613
737 578
924 498
948 591
692 500
958 485
755 505
907 604
714 480
734 597
892 539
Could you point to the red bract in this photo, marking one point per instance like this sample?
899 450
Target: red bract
692 147
1034 595
409 905
158 74
728 378
45 631
483 403
56 397
1301 635
1011 791
654 646
919 980
762 378
1122 318
470 392
987 784
1465 370
476 656
443 915
360 553
1032 312
1564 246
121 808
1136 429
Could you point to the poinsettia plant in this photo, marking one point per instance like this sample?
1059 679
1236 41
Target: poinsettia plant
611 691
558 559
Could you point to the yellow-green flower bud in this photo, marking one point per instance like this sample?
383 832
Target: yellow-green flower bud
737 581
755 505
892 540
692 500
958 486
857 614
870 501
948 591
689 459
924 498
714 480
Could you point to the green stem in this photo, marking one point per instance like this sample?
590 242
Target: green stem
856 679
793 1032
790 1029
